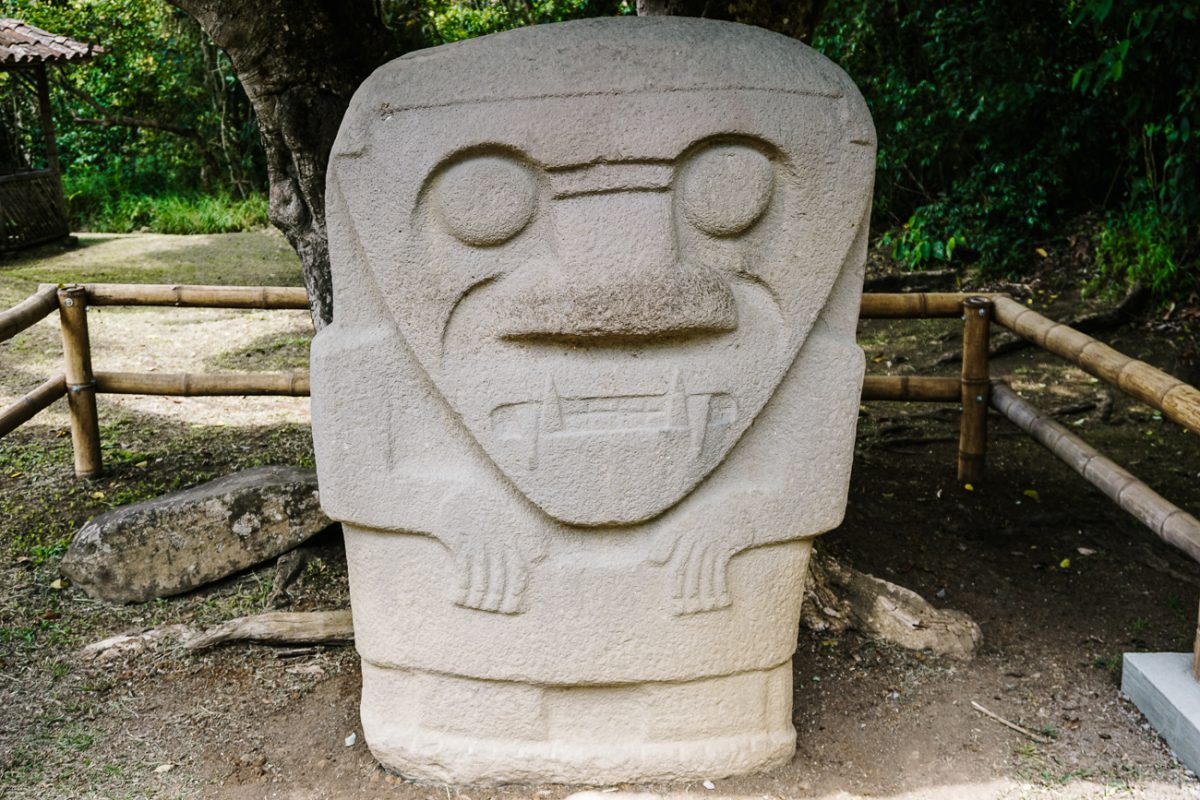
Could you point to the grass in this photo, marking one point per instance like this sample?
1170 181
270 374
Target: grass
175 213
105 203
282 351
254 259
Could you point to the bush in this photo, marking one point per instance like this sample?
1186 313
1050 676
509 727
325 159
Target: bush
999 120
1144 245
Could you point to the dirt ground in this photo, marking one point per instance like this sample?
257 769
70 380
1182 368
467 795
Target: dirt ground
1060 581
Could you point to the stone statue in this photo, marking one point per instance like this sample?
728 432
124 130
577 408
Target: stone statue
590 391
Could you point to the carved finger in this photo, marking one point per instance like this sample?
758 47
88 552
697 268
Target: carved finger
479 579
719 579
497 569
516 578
681 561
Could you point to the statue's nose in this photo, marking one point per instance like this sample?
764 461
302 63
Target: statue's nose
619 276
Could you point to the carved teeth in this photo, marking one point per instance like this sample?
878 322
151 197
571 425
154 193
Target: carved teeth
551 411
676 402
699 416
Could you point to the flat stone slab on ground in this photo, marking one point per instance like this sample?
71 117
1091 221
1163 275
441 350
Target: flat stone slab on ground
183 540
1162 687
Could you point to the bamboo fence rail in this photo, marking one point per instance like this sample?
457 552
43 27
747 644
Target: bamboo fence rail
911 388
137 294
204 384
1168 521
1174 398
31 310
913 305
28 406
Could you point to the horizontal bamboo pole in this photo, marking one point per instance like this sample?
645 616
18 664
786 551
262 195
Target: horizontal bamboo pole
185 384
296 384
914 305
29 311
915 388
1178 400
874 306
1170 522
28 406
136 294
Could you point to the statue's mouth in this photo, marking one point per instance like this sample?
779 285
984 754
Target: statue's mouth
675 414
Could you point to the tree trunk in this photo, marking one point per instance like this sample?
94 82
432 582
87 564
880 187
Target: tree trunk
795 18
299 62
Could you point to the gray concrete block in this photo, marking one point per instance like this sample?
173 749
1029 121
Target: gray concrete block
1162 687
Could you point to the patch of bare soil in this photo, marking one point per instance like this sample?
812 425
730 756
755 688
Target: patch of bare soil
1060 580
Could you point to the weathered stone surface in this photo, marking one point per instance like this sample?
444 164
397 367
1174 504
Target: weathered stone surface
590 391
183 540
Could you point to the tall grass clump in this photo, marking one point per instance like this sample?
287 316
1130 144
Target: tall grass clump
97 202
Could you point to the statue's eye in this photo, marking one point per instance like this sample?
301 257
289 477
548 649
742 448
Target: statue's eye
486 200
725 188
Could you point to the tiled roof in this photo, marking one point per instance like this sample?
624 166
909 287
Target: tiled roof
22 44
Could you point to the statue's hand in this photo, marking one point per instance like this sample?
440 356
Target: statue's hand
491 556
696 549
492 576
698 571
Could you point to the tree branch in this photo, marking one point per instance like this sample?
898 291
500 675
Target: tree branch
109 120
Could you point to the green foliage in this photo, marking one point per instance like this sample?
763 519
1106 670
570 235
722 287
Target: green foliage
452 22
1143 244
980 134
1148 76
96 203
158 116
997 120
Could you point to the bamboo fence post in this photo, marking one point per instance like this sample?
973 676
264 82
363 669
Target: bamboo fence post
81 385
975 387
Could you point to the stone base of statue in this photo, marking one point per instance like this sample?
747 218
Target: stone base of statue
462 730
649 693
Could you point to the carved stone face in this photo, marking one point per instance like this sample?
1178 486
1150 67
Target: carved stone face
606 270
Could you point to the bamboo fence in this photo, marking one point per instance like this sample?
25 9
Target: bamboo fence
31 310
973 389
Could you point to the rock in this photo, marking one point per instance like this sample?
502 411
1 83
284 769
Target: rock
840 597
183 540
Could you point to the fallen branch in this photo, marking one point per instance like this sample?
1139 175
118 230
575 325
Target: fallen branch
940 280
1006 723
280 627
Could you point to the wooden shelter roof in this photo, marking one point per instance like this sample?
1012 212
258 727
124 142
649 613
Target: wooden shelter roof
25 45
